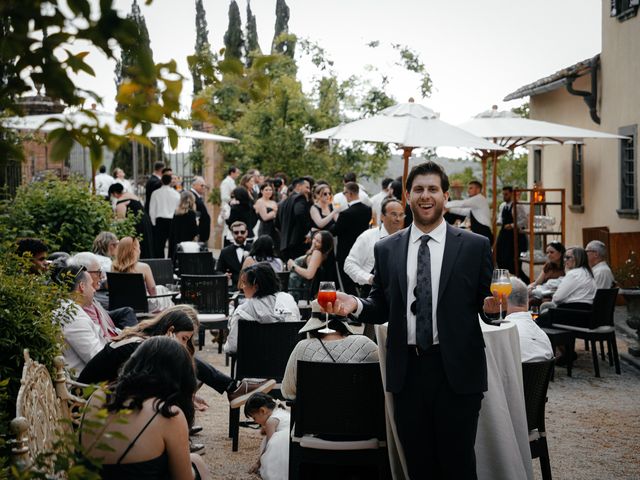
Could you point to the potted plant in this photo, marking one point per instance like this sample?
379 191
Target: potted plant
628 278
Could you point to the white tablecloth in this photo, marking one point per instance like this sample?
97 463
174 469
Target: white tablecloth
502 441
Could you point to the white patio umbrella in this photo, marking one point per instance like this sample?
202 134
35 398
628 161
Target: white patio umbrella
509 130
408 125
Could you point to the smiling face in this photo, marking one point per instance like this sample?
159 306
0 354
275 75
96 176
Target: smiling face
427 201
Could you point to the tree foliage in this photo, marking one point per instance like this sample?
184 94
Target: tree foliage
283 42
202 47
253 46
233 38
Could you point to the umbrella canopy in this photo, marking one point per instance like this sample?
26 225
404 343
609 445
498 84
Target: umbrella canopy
408 125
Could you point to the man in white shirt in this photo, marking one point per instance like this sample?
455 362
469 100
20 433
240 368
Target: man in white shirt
228 184
83 338
359 263
476 208
534 343
597 255
162 207
103 182
341 203
376 200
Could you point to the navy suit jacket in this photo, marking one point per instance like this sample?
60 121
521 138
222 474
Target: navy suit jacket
465 281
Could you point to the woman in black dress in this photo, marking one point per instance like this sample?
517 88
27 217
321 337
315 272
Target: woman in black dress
242 210
184 226
128 204
267 209
323 216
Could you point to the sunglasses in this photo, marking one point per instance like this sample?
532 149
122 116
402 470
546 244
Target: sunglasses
239 232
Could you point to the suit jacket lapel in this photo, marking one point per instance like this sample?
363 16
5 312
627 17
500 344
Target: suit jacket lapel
451 249
402 244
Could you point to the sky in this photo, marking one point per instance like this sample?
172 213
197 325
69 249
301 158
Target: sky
476 51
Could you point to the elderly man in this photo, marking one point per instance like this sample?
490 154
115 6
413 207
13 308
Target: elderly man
534 343
597 256
359 263
475 206
83 338
199 189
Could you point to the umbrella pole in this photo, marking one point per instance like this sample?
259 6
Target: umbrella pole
405 173
494 194
483 159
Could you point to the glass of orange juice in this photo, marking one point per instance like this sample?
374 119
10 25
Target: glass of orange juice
500 285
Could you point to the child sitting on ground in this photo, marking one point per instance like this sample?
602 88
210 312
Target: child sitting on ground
274 451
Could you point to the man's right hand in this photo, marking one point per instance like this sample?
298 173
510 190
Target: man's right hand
345 304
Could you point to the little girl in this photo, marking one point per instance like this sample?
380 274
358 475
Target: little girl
273 463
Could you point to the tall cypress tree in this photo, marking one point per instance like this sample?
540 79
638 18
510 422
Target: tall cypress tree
202 46
286 47
252 46
233 38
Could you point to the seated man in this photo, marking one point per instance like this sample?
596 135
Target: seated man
83 338
232 256
534 343
597 256
37 251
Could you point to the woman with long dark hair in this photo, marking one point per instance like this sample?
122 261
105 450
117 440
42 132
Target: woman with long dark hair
262 251
304 269
242 210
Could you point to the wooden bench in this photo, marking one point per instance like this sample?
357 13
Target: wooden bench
45 410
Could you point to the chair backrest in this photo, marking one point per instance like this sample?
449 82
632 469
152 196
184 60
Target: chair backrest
207 293
535 380
161 268
604 304
201 263
283 276
127 290
339 399
264 348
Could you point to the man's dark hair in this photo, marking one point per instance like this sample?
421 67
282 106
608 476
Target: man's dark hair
116 188
386 182
264 277
387 201
102 169
232 169
352 187
428 168
166 169
298 181
158 166
311 180
349 177
476 183
507 188
166 179
31 245
396 189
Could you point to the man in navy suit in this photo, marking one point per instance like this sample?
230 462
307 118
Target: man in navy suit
430 282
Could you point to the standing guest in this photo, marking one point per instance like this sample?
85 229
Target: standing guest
396 192
359 264
306 268
504 244
199 189
262 251
103 181
258 179
597 255
104 248
436 366
267 210
153 184
265 302
37 251
119 177
232 256
184 227
377 199
339 200
350 224
228 184
323 216
156 389
476 207
248 182
242 210
279 188
164 202
293 220
128 204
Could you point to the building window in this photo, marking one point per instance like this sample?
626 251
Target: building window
624 9
537 166
576 178
628 173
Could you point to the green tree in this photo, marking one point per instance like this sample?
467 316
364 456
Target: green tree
283 42
233 38
253 46
202 47
523 110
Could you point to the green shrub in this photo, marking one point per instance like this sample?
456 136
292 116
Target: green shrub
63 213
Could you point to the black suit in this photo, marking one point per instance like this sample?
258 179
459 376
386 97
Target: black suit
153 184
204 221
350 224
294 222
228 262
437 393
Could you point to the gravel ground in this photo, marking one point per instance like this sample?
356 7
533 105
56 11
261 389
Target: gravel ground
593 424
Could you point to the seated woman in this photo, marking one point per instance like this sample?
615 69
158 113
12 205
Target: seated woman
345 345
127 261
265 302
179 322
156 386
552 269
104 247
262 251
304 269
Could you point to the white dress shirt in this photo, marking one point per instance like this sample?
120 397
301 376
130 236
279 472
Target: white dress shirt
103 182
477 205
341 204
164 202
226 187
359 264
603 275
577 286
534 343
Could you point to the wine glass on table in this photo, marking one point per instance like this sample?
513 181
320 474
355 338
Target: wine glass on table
326 295
500 285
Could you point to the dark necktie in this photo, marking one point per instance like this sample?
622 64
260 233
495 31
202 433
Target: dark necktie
424 301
